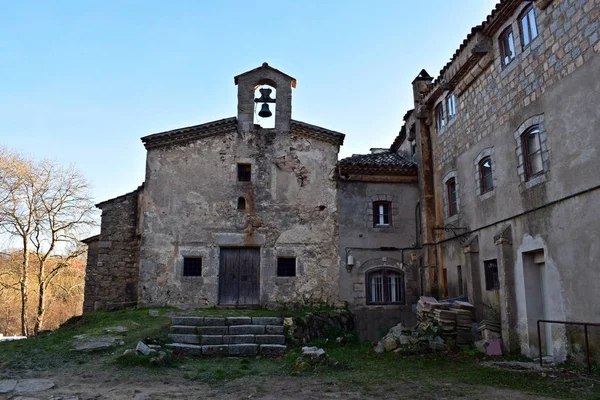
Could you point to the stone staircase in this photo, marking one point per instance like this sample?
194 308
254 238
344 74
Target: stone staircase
230 336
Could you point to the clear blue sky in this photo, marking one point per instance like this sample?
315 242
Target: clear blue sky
82 81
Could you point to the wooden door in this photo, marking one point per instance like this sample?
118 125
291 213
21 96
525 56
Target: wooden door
239 276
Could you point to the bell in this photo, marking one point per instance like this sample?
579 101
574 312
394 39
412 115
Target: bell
264 111
265 96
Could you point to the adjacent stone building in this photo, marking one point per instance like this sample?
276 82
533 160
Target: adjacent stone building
379 239
506 140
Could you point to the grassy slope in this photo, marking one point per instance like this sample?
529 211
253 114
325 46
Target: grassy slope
351 365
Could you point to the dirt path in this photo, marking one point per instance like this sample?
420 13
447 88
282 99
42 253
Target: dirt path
86 386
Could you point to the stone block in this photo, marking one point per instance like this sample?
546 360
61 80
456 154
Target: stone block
246 329
185 338
211 330
273 329
243 349
183 329
267 320
270 339
191 321
272 349
211 339
191 349
215 350
237 339
212 321
239 321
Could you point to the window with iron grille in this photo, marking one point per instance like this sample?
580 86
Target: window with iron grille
385 286
532 152
507 46
192 266
286 266
244 172
382 213
486 179
451 193
491 275
528 26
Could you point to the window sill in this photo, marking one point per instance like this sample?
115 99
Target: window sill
487 195
534 181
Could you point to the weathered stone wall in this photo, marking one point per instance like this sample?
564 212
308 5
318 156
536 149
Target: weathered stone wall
553 83
190 209
112 272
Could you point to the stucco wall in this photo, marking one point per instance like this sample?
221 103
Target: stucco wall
190 208
362 241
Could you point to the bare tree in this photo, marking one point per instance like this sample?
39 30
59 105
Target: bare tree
46 207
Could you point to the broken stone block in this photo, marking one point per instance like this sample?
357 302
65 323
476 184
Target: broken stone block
116 329
389 342
7 385
33 385
313 352
143 349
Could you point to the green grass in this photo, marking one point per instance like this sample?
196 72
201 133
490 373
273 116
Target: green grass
350 364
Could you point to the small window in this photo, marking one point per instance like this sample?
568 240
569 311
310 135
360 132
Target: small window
286 266
241 203
507 46
528 26
491 275
486 180
532 152
382 215
451 106
439 116
192 266
385 286
451 193
459 280
244 172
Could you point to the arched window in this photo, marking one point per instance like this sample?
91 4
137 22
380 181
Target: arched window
486 179
241 204
385 286
532 152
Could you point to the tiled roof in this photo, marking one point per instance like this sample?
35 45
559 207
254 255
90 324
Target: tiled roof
182 135
384 163
501 11
316 132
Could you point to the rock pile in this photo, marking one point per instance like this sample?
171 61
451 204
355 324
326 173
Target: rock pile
423 338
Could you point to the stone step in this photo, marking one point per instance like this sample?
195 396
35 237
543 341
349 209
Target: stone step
242 349
226 339
226 321
224 330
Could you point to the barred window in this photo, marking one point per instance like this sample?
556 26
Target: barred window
385 286
192 266
286 266
491 275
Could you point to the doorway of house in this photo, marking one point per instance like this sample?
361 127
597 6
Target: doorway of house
536 298
239 276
